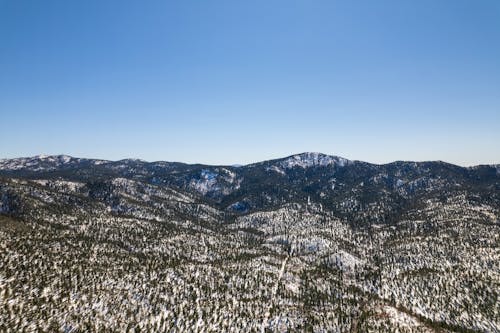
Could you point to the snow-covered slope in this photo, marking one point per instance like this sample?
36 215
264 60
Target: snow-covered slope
45 162
305 243
307 160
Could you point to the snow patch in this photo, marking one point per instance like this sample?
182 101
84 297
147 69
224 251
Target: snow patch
346 261
206 183
275 169
307 160
400 318
399 183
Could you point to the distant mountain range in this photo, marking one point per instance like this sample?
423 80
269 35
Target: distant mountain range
334 183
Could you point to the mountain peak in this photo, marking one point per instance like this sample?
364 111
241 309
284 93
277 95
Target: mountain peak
312 159
53 158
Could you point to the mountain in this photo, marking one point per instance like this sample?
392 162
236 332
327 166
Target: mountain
309 242
336 184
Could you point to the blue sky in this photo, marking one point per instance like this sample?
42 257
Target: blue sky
225 82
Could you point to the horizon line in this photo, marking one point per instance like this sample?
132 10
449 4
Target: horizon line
236 165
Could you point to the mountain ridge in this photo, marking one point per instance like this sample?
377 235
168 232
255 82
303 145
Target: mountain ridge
43 157
335 183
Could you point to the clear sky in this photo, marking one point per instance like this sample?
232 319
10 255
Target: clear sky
233 82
